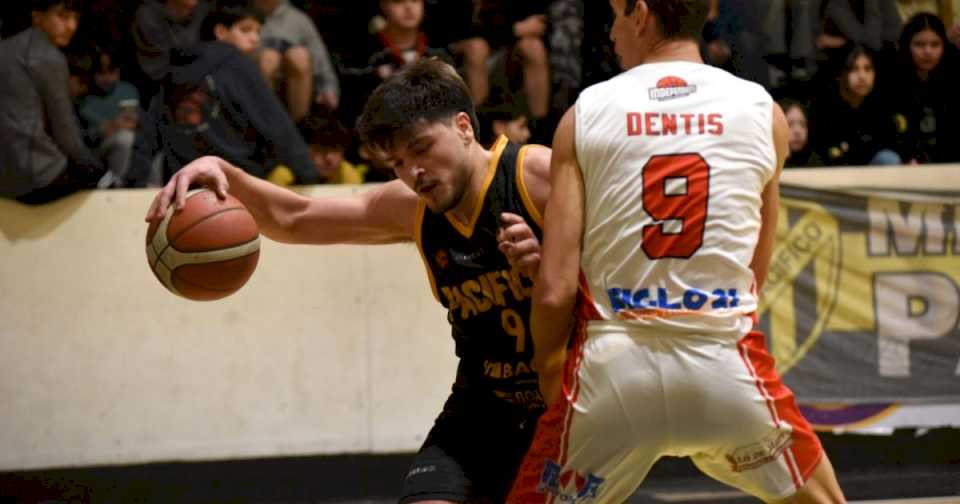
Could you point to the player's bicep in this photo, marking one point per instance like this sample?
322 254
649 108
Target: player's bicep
563 216
384 214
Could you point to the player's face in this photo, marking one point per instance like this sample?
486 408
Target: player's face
244 35
432 162
926 48
861 77
59 23
624 36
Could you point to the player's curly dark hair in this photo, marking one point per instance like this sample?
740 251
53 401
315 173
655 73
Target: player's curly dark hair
678 19
427 91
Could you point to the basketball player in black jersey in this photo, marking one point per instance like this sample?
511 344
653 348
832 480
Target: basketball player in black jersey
475 215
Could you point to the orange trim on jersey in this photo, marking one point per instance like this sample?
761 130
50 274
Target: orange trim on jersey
467 229
417 228
522 187
655 313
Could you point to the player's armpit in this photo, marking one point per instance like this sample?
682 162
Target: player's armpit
384 214
554 294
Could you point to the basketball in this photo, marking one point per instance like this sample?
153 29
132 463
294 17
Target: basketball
206 251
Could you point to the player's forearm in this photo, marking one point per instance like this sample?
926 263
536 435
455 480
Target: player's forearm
274 208
551 320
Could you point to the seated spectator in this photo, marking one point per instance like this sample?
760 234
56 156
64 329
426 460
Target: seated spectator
453 25
802 154
399 43
516 31
328 141
162 26
216 102
110 112
293 52
854 126
926 92
733 39
42 154
508 119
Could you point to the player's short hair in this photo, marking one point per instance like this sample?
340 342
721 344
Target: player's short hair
46 5
425 92
228 13
677 19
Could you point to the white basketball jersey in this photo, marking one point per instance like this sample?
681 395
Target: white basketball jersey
674 158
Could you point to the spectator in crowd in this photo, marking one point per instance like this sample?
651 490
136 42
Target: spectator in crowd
873 24
926 93
733 38
110 112
507 119
399 43
329 141
791 29
516 31
293 52
854 126
453 25
162 26
802 154
42 154
216 102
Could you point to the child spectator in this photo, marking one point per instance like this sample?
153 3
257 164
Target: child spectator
328 141
509 119
42 154
216 102
926 92
853 126
802 154
110 112
399 43
294 52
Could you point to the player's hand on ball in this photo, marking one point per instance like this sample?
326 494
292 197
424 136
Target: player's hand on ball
517 241
205 171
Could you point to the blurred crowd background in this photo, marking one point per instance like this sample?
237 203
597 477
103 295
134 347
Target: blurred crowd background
123 93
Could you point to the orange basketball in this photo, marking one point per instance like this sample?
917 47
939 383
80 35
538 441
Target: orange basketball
206 251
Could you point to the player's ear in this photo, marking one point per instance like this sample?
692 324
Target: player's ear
643 19
464 127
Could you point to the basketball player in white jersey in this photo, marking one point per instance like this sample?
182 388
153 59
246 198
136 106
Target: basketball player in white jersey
665 196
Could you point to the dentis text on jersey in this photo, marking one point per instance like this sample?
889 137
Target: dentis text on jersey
658 124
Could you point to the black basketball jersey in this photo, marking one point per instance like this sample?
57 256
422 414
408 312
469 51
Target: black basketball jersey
488 302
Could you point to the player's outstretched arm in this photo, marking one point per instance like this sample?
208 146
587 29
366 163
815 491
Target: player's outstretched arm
555 291
384 214
770 210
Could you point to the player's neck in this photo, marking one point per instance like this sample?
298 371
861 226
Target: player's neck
479 160
674 50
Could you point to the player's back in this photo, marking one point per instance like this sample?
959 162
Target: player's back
674 157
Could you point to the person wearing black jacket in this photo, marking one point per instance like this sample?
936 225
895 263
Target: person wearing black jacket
855 126
215 101
926 92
